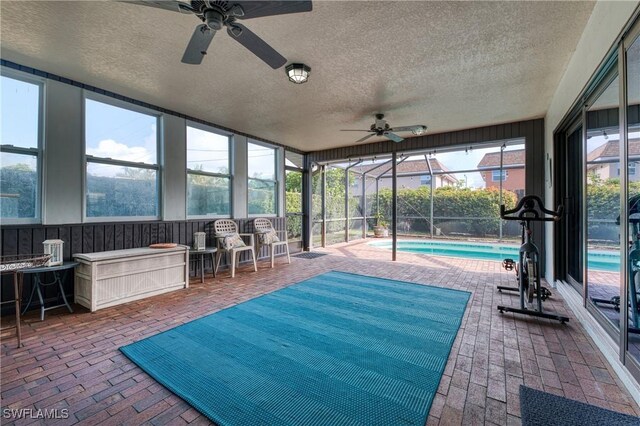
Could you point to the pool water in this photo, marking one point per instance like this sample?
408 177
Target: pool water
600 260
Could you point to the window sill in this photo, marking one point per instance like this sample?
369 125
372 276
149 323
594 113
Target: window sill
108 219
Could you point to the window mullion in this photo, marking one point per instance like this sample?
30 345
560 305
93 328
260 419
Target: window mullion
112 162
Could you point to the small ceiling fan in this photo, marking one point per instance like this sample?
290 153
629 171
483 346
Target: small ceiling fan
382 128
216 14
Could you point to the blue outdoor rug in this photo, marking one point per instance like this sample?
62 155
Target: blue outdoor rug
336 349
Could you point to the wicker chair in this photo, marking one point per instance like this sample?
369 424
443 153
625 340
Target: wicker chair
225 229
264 230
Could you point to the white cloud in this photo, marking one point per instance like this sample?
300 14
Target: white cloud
108 148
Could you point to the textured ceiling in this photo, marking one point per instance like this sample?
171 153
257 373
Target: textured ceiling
449 65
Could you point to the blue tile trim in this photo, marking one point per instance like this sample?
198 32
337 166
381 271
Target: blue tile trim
50 76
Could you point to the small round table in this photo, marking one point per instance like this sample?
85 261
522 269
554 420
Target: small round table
38 284
200 260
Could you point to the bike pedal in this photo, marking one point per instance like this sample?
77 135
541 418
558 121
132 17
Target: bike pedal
546 293
508 264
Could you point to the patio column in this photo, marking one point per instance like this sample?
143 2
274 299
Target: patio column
307 214
377 195
346 204
394 206
430 194
364 205
501 165
324 207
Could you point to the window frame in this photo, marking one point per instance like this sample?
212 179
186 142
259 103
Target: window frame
287 214
276 173
425 180
188 171
34 152
86 159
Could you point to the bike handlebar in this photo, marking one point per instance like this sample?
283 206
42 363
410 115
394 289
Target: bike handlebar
531 205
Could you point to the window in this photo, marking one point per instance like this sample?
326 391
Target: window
262 183
631 166
208 173
294 163
20 137
425 180
122 172
498 175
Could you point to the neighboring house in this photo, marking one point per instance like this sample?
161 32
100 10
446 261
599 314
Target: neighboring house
605 160
417 169
513 177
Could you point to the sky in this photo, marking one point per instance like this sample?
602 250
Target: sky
207 151
462 159
261 161
468 160
19 116
119 134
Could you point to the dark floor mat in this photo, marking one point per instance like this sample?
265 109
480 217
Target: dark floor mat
309 255
545 409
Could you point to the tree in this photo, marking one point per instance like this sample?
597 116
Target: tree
137 173
293 182
18 185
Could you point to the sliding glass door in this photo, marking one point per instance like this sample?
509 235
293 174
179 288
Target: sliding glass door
602 204
631 285
573 201
597 178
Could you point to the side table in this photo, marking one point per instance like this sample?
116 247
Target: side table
59 274
200 256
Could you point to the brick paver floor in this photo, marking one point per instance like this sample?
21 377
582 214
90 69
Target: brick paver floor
72 362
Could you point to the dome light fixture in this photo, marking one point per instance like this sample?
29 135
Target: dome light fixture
298 73
419 130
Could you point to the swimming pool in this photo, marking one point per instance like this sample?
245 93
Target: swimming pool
601 260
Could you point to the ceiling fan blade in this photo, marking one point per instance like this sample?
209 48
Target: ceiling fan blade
393 137
352 130
198 45
256 45
408 128
257 9
172 5
365 138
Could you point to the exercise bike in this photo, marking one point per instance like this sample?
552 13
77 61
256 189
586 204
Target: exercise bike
529 209
634 268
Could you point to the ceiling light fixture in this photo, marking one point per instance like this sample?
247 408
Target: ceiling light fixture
298 73
419 130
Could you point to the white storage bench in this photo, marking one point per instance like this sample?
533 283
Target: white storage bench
119 276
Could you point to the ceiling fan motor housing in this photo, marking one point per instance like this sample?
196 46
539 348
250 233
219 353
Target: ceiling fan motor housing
380 126
214 19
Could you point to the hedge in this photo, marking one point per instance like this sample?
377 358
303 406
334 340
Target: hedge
455 210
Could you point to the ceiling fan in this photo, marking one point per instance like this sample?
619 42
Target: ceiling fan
216 14
382 128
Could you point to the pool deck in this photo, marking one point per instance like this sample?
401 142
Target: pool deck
602 284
